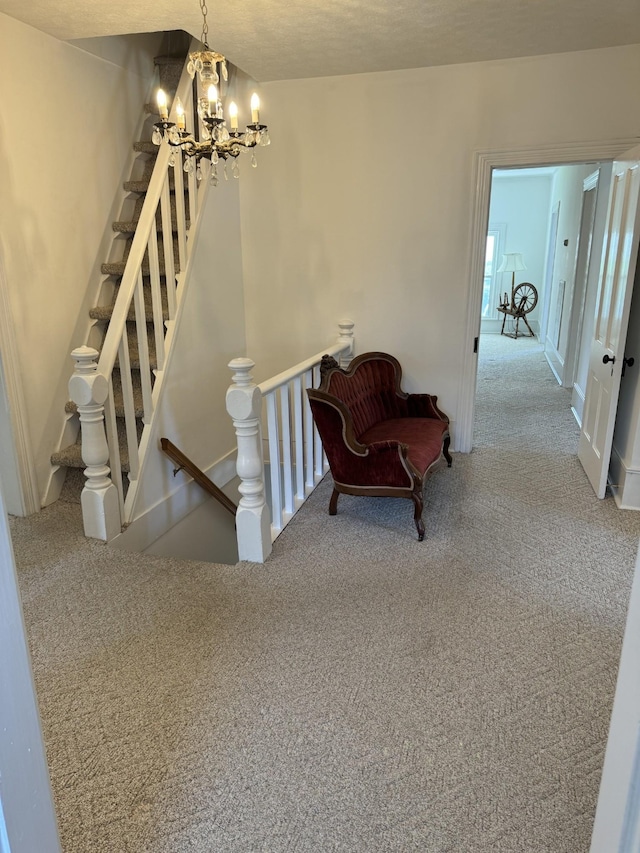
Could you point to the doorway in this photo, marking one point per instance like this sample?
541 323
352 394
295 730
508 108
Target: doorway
545 217
484 164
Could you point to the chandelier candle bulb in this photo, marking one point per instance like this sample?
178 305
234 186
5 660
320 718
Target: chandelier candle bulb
212 95
233 115
180 119
161 100
255 108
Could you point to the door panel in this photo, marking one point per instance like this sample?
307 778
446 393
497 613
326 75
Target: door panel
619 255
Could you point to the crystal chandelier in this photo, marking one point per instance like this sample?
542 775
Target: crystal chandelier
215 141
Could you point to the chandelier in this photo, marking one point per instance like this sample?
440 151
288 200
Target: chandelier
212 140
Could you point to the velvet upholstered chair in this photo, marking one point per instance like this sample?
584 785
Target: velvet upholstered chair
379 440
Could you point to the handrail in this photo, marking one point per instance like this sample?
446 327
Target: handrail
146 222
270 385
177 456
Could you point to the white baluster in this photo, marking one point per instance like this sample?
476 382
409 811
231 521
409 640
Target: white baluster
346 337
275 470
298 405
309 429
88 390
253 524
318 453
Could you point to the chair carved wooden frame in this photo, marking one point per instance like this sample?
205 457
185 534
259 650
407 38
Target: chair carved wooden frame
379 440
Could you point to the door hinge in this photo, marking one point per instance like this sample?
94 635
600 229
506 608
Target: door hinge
475 344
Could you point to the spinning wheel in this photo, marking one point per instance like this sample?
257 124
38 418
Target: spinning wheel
524 299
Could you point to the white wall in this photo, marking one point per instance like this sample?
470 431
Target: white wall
521 202
66 129
568 188
361 207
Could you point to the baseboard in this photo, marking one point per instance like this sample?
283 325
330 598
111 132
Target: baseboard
489 326
577 404
555 361
173 508
624 483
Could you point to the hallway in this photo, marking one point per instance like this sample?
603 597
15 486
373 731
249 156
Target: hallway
362 691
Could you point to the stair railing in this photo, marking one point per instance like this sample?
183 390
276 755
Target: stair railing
151 254
280 457
185 464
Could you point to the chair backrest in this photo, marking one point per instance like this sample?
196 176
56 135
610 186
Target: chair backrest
370 390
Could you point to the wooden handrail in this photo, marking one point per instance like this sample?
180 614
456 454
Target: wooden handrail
199 476
270 385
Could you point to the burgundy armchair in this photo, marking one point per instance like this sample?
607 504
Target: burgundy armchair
379 440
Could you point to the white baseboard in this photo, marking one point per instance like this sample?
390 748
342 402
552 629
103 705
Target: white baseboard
577 403
555 361
171 509
493 327
624 483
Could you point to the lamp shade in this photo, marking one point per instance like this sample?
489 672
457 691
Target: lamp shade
511 262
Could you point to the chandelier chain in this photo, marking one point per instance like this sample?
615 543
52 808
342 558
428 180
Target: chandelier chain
205 25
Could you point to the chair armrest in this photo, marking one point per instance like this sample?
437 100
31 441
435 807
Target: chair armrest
383 463
377 447
425 406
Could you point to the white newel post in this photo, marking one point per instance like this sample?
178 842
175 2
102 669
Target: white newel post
253 522
346 337
88 390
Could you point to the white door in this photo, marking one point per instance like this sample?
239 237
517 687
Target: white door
617 271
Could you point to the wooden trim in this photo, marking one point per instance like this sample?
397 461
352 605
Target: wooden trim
199 476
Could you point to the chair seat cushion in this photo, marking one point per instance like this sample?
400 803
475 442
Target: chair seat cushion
422 435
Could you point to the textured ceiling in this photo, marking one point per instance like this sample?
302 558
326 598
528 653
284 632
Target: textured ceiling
287 39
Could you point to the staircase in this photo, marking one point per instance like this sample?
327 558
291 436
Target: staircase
140 293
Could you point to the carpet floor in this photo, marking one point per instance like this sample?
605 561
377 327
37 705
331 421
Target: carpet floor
362 691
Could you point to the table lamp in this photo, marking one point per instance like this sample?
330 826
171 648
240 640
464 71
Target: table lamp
512 262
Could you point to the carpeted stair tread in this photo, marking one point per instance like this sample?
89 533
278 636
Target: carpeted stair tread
170 71
104 312
143 146
142 184
129 226
134 350
118 267
71 456
166 61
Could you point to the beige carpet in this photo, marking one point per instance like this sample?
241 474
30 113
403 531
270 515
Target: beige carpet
362 691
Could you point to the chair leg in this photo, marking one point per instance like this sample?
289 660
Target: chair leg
445 451
418 502
333 503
